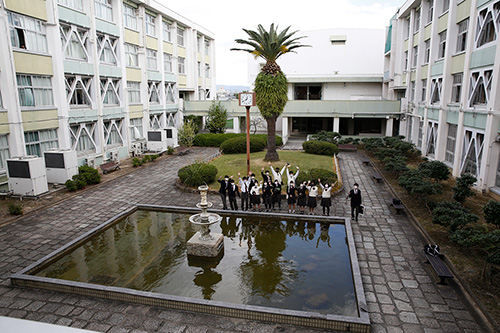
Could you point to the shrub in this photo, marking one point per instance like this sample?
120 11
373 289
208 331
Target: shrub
373 143
320 148
396 164
463 188
217 118
238 145
215 140
414 182
492 212
197 174
80 181
15 209
452 215
279 140
146 159
170 150
332 137
70 185
196 120
89 174
326 176
136 162
187 133
153 157
434 169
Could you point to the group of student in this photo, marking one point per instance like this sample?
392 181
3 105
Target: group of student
269 191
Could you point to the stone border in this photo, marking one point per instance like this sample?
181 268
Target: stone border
283 316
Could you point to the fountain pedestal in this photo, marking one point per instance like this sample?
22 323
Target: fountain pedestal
204 243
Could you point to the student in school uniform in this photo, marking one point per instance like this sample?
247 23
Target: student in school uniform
244 191
355 195
232 192
302 197
277 174
313 193
224 185
255 196
276 194
291 176
326 197
291 195
267 193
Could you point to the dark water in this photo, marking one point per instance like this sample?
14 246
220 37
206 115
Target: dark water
281 264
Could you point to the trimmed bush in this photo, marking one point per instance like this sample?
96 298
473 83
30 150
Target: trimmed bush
80 181
215 140
332 137
492 212
326 176
15 209
463 187
435 169
136 162
239 145
197 174
320 148
70 185
89 174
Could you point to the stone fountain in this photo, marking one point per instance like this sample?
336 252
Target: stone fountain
204 243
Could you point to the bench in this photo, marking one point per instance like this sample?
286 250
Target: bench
439 267
110 166
398 206
344 147
366 162
377 176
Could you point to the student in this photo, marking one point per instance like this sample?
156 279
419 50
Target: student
326 200
232 192
291 195
302 197
224 185
255 196
277 193
244 190
252 180
291 176
267 193
266 177
355 195
277 174
313 193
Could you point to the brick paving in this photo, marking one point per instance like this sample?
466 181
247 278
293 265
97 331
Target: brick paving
401 295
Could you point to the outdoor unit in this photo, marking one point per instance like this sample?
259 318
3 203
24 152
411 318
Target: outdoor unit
113 155
157 140
90 161
27 176
136 148
171 136
61 165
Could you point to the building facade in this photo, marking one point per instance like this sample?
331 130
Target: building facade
442 60
96 75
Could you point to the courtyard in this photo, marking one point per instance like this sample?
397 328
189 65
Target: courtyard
402 295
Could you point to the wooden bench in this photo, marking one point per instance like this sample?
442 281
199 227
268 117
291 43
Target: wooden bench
398 206
439 267
366 162
110 166
344 147
377 176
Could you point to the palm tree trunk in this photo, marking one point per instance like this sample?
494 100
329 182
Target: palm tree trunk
272 154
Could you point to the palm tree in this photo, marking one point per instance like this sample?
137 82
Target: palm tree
271 85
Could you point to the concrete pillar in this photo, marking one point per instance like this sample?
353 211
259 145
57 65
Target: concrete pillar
459 144
489 158
442 136
389 126
336 124
284 129
236 125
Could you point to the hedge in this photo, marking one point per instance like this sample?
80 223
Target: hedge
215 140
320 148
197 174
238 145
326 176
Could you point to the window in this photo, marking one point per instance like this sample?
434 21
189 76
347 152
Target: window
129 17
34 90
112 132
199 69
407 28
151 59
198 43
462 35
497 180
472 152
150 25
436 85
167 63
442 45
74 41
104 9
170 92
107 49
27 33
207 71
446 5
75 4
456 90
480 88
427 54
432 130
424 90
167 31
180 36
410 129
4 151
207 47
134 92
181 65
450 143
110 93
412 90
486 32
39 141
430 11
83 136
131 55
308 92
201 94
406 61
136 129
78 90
415 56
417 21
154 91
420 134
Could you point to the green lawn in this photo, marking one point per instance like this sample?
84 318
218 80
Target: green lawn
231 164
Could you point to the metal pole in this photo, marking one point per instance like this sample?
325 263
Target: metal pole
248 140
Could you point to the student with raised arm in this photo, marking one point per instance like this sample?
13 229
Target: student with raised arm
326 197
291 176
313 193
255 195
244 190
277 174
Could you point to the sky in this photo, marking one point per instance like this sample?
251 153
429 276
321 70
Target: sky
226 19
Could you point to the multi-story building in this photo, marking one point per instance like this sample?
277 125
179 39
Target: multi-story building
95 75
442 60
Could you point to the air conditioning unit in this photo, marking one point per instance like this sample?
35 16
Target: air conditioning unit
113 155
136 148
157 141
90 161
61 165
27 176
171 137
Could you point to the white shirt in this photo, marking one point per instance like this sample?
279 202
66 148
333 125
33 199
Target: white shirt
313 191
326 191
244 185
291 177
278 175
255 189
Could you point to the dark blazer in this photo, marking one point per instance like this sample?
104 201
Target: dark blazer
266 189
224 185
291 191
233 193
276 189
355 197
266 178
301 191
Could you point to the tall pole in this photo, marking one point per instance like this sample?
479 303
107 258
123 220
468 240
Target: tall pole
248 140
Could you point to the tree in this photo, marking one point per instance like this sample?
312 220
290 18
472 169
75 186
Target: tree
271 85
462 188
187 133
436 170
492 212
217 118
415 183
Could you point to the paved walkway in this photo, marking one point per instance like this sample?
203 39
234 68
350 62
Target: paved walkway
401 295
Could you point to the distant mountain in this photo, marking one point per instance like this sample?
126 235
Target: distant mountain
233 88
